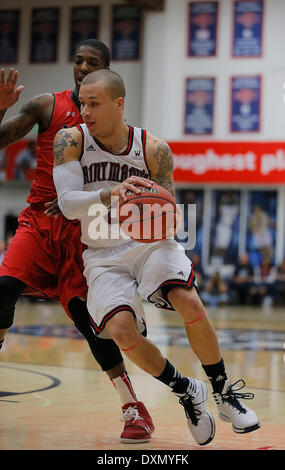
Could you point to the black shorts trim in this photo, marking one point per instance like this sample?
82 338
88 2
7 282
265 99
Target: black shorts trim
167 285
99 328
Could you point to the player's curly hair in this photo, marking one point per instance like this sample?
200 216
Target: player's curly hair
99 45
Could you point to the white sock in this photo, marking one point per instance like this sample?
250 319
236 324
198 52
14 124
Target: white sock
124 388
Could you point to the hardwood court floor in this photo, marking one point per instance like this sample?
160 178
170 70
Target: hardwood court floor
53 395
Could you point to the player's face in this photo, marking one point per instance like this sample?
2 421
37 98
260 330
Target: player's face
87 60
100 112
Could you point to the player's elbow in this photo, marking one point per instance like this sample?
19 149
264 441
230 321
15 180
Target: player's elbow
66 207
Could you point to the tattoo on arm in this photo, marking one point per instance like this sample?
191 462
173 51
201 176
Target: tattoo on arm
163 174
18 126
63 140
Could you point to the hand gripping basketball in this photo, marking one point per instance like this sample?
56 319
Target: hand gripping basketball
149 215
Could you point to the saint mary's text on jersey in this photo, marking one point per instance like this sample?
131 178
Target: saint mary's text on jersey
110 171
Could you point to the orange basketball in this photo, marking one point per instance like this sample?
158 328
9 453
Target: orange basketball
149 216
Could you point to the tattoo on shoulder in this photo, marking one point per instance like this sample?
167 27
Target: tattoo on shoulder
62 140
164 168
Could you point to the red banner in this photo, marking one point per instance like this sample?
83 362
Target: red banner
229 162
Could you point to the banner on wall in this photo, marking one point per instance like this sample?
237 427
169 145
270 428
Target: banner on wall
84 25
247 28
199 105
202 27
44 35
9 36
126 32
245 104
229 162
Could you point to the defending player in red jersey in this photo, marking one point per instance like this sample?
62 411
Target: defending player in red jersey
46 253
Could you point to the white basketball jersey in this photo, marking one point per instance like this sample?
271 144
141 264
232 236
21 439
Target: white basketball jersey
103 170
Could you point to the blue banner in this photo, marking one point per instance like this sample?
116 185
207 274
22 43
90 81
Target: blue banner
202 29
126 32
199 105
84 25
9 36
44 43
245 104
247 29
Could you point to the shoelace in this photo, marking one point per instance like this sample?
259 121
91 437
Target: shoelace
131 413
190 411
231 396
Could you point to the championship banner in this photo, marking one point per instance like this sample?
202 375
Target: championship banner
44 35
126 32
202 35
247 29
229 162
9 36
245 104
84 25
199 105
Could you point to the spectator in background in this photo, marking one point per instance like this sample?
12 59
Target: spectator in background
4 245
3 161
261 226
242 279
2 250
199 272
228 211
215 292
263 288
25 161
280 283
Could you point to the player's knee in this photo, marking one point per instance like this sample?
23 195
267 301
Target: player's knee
122 330
10 290
105 351
186 301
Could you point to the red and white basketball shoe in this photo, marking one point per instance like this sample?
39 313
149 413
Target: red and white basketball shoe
138 423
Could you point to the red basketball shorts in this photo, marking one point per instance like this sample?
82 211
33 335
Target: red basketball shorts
46 254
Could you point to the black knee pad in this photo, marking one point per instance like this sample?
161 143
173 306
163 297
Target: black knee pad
10 290
105 351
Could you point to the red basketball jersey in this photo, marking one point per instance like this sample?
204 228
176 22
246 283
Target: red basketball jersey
65 113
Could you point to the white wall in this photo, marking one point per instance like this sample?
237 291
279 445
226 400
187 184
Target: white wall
166 65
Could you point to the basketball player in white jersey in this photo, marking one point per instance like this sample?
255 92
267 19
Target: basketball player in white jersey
105 157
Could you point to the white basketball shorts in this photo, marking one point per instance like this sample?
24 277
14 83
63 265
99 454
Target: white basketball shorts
118 278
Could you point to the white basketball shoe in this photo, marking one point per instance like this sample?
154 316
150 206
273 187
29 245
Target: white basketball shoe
200 421
231 409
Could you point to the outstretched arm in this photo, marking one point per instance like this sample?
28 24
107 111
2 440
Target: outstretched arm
8 94
37 111
20 125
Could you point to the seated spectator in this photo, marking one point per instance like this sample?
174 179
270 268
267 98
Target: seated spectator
25 162
242 279
198 270
3 164
2 250
280 284
215 291
4 245
263 288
